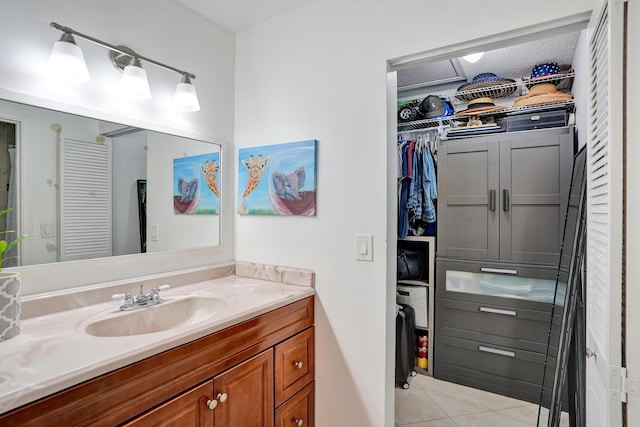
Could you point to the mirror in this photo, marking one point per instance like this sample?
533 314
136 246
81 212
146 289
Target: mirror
84 188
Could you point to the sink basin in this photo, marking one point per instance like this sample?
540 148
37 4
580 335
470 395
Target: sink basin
158 318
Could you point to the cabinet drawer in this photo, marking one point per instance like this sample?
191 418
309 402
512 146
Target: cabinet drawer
489 362
294 364
507 284
298 408
496 324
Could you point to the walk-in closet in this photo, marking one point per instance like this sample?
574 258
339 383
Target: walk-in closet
488 205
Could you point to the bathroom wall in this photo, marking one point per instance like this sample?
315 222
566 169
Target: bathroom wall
320 72
130 152
164 30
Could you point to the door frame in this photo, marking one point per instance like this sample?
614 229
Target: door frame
521 35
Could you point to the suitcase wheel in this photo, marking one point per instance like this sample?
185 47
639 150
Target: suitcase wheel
414 373
405 385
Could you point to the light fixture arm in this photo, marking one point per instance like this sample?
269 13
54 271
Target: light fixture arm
71 31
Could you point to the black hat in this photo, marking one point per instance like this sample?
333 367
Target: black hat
432 106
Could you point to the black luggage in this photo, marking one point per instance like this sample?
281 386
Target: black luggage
405 345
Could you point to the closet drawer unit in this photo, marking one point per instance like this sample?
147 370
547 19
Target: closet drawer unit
537 120
496 324
513 371
505 284
294 365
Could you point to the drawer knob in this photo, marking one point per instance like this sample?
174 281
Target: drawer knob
299 422
212 403
222 397
298 365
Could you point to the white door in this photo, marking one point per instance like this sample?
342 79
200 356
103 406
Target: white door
632 294
85 199
604 215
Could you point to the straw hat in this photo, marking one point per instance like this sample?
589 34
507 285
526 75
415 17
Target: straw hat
543 93
480 105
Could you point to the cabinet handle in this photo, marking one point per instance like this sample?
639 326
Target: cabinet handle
492 200
498 271
298 365
498 311
213 403
497 351
299 422
505 200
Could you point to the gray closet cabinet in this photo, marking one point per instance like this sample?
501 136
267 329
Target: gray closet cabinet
503 196
492 326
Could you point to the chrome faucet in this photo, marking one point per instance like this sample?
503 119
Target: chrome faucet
142 300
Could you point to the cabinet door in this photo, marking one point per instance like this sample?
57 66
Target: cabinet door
249 394
467 199
535 171
187 410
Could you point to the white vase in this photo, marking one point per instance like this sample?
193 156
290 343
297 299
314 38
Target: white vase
9 305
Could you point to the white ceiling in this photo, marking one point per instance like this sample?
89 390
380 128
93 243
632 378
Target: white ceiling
511 62
237 15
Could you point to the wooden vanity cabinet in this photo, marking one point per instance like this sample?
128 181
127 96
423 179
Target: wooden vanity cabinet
176 387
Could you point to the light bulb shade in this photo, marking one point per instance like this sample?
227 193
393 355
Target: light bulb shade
185 95
134 83
473 58
66 61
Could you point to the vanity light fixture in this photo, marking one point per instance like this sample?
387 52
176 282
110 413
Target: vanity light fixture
473 57
67 62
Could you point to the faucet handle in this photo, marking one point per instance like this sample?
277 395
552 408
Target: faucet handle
162 288
128 299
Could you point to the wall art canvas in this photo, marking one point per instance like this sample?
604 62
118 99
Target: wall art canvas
278 179
196 184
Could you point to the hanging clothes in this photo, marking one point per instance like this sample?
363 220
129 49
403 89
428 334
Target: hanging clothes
417 186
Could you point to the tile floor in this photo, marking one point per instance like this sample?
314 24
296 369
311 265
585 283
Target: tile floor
433 403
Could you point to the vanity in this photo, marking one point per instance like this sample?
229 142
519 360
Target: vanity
237 349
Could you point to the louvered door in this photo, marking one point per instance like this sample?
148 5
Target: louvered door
85 199
604 215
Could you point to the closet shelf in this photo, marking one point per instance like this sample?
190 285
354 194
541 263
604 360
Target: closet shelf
499 91
521 87
449 120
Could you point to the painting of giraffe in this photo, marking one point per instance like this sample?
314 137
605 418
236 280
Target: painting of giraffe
190 174
210 171
280 179
255 165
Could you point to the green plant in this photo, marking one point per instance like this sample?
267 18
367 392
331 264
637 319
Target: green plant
5 246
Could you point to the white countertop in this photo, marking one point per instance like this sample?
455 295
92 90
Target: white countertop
54 352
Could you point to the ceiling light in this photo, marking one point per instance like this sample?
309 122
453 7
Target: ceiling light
473 58
134 83
66 61
185 96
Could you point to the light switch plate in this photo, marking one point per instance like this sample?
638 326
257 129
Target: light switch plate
364 247
154 233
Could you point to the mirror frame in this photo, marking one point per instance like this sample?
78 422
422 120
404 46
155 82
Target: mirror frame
62 276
